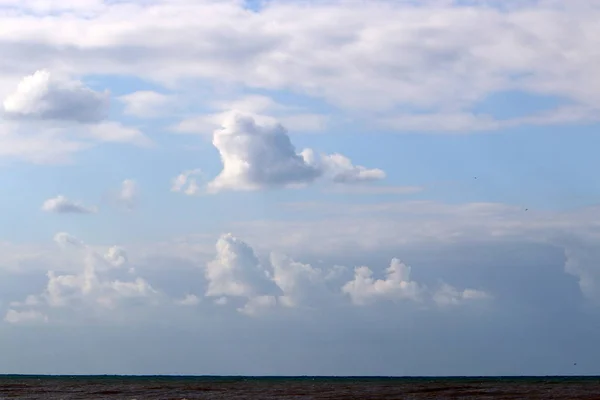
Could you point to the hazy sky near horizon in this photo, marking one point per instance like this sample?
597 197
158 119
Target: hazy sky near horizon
299 187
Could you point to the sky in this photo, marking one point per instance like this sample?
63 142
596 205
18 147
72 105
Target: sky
336 187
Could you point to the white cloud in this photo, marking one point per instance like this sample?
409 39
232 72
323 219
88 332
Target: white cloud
256 305
116 256
262 108
189 300
258 155
236 271
129 193
340 169
397 285
61 205
45 96
147 104
433 55
186 182
449 295
63 239
90 286
301 284
24 317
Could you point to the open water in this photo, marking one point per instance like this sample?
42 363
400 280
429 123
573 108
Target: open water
265 388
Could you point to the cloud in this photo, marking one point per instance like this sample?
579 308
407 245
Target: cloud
45 96
129 193
186 182
397 284
61 205
340 169
24 317
90 286
283 282
258 155
116 256
261 108
189 300
449 295
390 58
147 104
236 271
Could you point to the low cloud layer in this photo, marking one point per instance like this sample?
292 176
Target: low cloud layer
236 277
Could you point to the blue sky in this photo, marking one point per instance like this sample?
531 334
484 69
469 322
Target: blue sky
398 188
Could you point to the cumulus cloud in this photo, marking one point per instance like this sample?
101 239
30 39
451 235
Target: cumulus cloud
397 285
236 271
259 154
187 183
90 286
116 256
62 205
46 96
284 282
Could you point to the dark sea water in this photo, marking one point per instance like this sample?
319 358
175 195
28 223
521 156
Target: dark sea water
160 387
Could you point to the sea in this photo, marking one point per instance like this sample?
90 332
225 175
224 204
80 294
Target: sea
265 388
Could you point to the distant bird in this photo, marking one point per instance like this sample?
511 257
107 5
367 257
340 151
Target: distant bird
574 363
526 209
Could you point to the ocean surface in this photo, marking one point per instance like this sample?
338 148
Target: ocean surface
264 388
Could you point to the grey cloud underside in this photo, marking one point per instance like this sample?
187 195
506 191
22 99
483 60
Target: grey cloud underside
43 96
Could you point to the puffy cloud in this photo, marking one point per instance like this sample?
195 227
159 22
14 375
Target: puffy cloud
45 96
63 239
128 195
301 284
146 104
62 205
258 154
116 256
397 285
340 169
186 182
236 271
91 285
